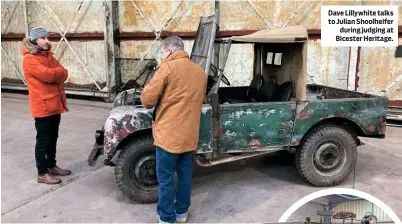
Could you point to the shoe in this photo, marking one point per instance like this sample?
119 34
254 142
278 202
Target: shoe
48 179
58 171
181 218
160 221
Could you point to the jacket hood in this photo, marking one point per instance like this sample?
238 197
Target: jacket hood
176 55
29 48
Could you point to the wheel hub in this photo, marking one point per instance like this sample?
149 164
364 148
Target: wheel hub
145 170
329 158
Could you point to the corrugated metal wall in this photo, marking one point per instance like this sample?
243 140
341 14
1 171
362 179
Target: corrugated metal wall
360 208
376 67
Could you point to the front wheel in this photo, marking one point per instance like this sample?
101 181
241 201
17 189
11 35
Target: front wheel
135 170
327 156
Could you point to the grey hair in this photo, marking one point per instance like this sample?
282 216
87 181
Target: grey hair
173 42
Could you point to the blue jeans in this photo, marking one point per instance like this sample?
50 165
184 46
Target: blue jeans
166 165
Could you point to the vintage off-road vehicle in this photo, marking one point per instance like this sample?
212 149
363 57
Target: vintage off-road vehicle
277 111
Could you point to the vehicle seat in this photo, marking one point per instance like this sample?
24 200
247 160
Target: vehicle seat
282 92
253 91
268 89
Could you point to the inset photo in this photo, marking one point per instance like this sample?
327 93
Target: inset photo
339 205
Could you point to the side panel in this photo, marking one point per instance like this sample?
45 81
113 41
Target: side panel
205 137
369 114
255 126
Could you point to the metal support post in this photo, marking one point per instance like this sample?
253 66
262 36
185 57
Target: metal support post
26 23
110 46
217 46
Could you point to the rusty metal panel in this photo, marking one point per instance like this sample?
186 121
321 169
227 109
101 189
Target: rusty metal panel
91 53
378 67
234 15
240 15
8 72
157 12
91 17
327 65
137 48
12 17
360 208
386 2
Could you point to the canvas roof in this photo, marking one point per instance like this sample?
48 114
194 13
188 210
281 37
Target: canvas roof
287 34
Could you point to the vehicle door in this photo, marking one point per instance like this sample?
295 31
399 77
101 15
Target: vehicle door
201 54
255 126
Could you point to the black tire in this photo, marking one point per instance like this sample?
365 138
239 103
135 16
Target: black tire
139 151
315 152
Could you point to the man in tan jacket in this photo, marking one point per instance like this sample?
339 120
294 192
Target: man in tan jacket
177 91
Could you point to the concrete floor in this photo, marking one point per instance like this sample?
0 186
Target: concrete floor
259 190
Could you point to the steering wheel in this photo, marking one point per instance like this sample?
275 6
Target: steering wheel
225 80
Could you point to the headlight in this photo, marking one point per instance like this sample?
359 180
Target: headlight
99 135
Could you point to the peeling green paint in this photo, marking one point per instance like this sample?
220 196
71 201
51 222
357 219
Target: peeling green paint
259 126
255 125
205 137
369 114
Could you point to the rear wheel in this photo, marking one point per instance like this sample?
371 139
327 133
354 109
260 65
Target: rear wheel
327 156
135 170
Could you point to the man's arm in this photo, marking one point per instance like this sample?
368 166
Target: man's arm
154 89
40 71
63 78
65 75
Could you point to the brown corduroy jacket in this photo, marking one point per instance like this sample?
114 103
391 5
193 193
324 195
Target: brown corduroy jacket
177 89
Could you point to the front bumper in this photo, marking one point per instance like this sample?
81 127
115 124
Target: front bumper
97 149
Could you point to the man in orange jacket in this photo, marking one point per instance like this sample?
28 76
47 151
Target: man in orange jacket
47 100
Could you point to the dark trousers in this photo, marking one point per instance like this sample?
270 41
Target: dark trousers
47 132
166 165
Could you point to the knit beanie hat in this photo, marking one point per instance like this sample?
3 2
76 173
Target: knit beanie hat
38 32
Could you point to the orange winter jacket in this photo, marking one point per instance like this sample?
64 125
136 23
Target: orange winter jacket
43 75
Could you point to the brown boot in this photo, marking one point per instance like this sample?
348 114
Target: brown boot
58 171
48 179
